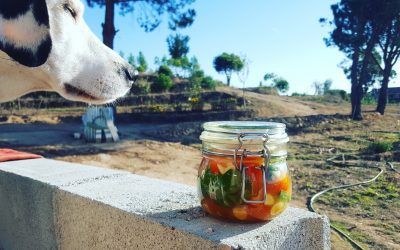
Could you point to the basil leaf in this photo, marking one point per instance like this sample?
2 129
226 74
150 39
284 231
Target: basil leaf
225 189
231 187
205 181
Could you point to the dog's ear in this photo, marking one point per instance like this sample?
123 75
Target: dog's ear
25 31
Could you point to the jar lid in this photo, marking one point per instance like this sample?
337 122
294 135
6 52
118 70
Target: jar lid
252 131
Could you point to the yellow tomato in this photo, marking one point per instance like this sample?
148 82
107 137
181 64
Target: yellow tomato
240 213
278 208
269 201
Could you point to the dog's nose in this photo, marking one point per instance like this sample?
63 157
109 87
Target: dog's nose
131 74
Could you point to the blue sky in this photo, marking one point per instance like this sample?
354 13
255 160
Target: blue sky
283 37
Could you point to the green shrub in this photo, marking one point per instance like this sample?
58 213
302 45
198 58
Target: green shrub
338 92
266 90
157 108
332 99
298 94
368 99
197 73
141 87
165 70
162 83
208 83
379 147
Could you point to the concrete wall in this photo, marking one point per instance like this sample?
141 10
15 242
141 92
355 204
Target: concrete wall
46 204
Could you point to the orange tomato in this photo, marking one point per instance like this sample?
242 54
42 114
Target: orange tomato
252 161
253 176
277 187
260 212
240 212
214 209
216 162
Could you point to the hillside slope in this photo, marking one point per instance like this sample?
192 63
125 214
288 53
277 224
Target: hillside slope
274 105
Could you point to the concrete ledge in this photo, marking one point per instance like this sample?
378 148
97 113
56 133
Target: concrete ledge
46 204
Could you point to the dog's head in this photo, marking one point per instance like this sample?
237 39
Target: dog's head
49 47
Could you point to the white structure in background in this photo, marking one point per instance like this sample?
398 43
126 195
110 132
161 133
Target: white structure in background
99 125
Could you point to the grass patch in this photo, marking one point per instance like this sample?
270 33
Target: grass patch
306 157
354 233
387 228
378 147
379 195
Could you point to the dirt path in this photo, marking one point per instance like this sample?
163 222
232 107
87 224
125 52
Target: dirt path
272 105
162 160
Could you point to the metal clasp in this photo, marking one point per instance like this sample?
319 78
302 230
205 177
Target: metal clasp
265 153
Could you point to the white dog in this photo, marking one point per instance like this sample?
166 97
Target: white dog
46 45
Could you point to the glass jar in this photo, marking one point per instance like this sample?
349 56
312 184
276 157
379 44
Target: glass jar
243 175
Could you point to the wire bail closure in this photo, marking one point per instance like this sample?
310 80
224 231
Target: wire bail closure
265 153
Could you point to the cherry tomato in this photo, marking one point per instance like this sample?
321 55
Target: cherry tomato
278 208
212 208
252 161
240 212
220 163
277 187
260 212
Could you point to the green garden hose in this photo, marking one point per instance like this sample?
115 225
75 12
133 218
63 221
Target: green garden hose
315 196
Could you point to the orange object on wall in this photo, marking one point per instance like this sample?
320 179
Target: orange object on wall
7 154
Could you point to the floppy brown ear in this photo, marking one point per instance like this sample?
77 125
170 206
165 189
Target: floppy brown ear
25 31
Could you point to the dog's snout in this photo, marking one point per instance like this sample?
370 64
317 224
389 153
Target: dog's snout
130 74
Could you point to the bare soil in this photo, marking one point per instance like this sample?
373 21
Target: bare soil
171 151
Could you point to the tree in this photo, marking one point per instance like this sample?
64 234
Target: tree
372 71
227 64
208 83
322 88
150 14
139 63
162 61
178 48
179 65
162 83
327 85
142 63
281 84
389 52
358 26
319 88
178 45
131 60
269 77
165 70
243 75
194 65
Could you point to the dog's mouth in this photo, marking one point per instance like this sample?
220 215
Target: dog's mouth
74 91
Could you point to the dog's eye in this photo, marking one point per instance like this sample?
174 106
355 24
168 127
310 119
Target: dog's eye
70 10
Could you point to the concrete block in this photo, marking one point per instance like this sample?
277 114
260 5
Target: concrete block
46 204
